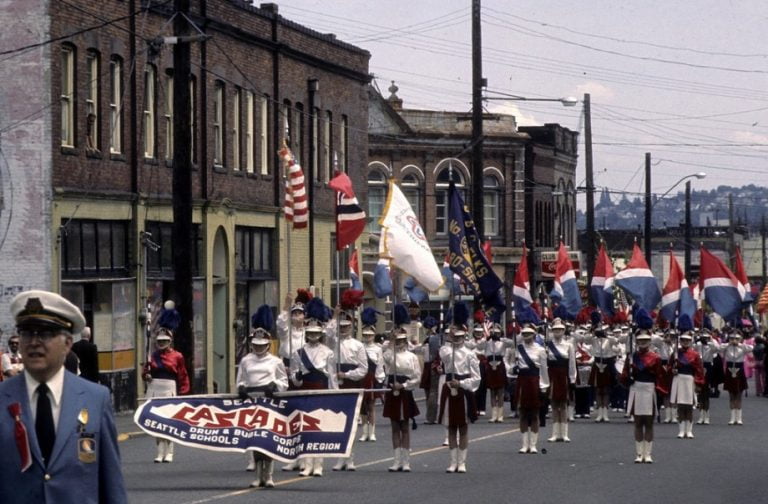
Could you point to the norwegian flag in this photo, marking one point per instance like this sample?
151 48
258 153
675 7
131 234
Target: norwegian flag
638 281
602 283
722 290
741 274
676 299
350 217
521 293
566 289
296 207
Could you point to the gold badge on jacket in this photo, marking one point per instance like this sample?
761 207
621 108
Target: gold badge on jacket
86 444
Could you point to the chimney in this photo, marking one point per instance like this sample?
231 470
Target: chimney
393 99
269 7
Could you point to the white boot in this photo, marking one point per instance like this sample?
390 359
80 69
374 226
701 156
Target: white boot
688 429
364 435
564 432
647 455
570 413
340 465
372 432
445 441
317 467
350 466
526 442
706 417
395 461
605 415
268 467
639 451
702 415
555 433
307 469
534 439
667 415
292 466
168 452
738 417
500 414
492 418
599 417
462 465
251 462
454 460
732 421
257 469
405 459
681 431
160 450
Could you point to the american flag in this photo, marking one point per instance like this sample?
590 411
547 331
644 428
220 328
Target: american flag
296 207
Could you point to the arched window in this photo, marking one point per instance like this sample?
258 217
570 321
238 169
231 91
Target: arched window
444 178
491 205
377 194
412 191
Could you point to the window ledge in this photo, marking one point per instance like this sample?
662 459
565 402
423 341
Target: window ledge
267 177
151 161
238 173
117 157
219 169
70 151
93 154
169 163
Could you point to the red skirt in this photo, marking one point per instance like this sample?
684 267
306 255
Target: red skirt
735 384
664 383
426 376
558 383
460 406
401 406
308 385
602 379
495 378
369 382
348 384
527 392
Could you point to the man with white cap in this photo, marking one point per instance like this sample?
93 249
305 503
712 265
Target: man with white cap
688 374
56 429
10 362
261 373
532 380
642 371
561 365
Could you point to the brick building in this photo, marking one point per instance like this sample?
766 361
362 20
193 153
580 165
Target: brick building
86 125
528 180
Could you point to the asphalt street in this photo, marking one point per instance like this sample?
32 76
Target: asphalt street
722 464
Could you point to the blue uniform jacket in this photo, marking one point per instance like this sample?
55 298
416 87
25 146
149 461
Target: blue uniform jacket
73 475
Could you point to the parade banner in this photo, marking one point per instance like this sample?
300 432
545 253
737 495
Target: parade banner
289 426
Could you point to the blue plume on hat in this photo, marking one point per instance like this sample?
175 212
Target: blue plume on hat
596 317
169 319
684 323
317 310
707 323
643 319
460 314
263 318
401 315
429 322
368 316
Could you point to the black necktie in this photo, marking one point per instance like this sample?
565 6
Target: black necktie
46 432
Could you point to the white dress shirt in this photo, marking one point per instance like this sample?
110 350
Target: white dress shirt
296 339
55 389
538 356
321 357
407 365
566 350
461 361
375 354
258 371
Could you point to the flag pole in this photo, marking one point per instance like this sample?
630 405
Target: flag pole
338 303
288 224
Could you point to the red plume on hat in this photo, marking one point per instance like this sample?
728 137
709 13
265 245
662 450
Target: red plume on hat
351 299
303 296
478 316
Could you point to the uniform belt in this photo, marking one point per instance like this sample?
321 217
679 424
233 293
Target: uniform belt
162 374
558 363
454 376
739 365
685 369
344 367
399 378
495 358
315 377
528 372
603 360
664 362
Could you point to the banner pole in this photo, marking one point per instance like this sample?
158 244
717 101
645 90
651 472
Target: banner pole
338 312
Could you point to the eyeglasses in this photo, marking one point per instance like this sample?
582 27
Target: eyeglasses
42 335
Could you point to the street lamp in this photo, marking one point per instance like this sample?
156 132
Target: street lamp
649 209
568 101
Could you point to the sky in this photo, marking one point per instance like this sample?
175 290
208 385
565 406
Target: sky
686 80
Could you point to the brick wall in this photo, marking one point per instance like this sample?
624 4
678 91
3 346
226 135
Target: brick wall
24 155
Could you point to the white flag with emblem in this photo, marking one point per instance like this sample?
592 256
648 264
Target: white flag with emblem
405 243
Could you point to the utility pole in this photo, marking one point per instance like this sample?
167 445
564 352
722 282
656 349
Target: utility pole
762 239
313 86
590 188
477 121
688 230
731 230
648 210
182 184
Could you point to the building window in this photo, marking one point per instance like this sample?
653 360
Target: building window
297 130
68 96
168 116
253 251
218 123
316 144
339 277
441 197
377 197
344 145
236 129
263 132
412 191
149 112
92 102
160 261
491 207
328 145
94 248
249 133
115 106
